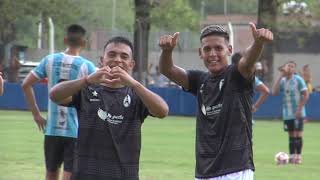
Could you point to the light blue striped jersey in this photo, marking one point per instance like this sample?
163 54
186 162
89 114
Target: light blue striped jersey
257 82
62 121
292 93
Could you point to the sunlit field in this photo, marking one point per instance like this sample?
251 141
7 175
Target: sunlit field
167 149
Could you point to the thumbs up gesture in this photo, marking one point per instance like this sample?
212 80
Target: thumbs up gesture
169 42
261 35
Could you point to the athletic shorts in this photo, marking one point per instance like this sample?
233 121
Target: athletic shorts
241 175
293 125
58 150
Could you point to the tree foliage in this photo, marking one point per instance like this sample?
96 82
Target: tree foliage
18 17
97 14
232 6
299 19
173 15
11 11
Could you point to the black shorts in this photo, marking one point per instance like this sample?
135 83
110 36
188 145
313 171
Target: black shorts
293 125
58 149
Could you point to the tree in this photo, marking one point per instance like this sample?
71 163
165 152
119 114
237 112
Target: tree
10 12
147 11
178 15
13 13
267 16
218 6
141 38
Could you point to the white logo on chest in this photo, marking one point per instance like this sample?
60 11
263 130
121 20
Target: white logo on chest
102 114
113 119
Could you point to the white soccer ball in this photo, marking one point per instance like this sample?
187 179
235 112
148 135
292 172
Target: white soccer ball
281 158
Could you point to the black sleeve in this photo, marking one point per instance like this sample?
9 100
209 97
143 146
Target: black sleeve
195 78
143 111
241 82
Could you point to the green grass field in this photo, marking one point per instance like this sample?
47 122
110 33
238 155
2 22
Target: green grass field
167 150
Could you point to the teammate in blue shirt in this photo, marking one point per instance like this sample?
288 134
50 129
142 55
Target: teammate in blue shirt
61 126
259 86
295 96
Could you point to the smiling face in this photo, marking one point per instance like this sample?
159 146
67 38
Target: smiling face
118 54
214 53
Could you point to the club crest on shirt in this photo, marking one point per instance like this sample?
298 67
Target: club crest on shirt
127 101
221 84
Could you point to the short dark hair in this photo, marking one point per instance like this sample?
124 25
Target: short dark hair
236 58
75 33
119 39
214 30
291 62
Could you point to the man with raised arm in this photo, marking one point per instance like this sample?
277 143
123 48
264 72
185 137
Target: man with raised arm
224 127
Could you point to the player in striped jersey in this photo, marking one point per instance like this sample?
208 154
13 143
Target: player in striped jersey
295 95
60 127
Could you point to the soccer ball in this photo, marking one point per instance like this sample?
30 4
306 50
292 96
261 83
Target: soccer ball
281 158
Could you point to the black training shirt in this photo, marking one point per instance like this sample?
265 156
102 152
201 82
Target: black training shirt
109 134
224 127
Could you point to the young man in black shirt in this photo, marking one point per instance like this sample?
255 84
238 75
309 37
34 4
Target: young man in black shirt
111 106
223 132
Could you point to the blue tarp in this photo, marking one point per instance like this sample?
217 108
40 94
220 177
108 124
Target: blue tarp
180 102
13 97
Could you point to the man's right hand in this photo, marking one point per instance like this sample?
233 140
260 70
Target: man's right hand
41 122
168 42
100 76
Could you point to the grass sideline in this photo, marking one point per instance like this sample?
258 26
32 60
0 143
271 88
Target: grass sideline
167 149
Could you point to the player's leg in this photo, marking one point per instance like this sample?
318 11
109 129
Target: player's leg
67 175
289 127
299 140
52 175
69 145
53 157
